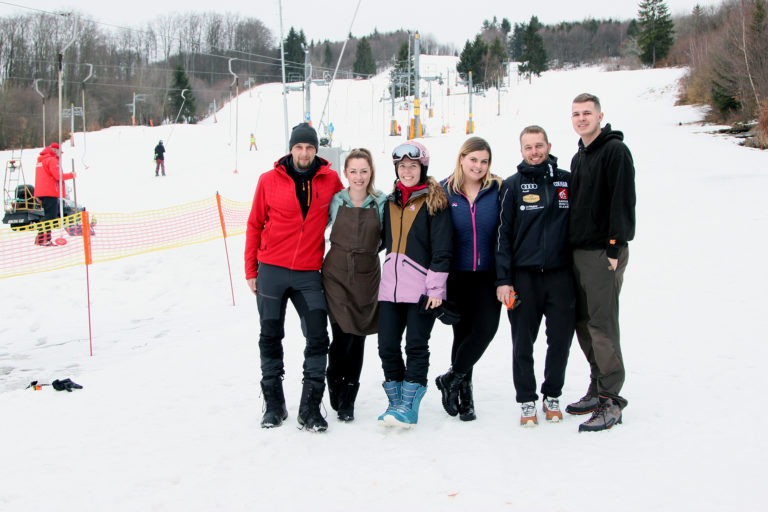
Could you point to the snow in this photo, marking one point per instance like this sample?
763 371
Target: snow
169 415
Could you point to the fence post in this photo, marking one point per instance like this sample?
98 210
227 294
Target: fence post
226 250
85 227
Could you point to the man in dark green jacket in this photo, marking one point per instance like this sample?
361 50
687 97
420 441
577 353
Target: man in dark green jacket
602 223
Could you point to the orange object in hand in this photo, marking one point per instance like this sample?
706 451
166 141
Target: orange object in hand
513 301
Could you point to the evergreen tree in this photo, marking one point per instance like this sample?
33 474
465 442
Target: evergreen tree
656 29
185 107
328 56
534 55
516 42
497 56
506 26
471 59
294 47
364 61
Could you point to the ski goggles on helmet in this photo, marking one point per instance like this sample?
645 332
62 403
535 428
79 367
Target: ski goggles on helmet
411 151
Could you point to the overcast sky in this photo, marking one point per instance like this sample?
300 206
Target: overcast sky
331 19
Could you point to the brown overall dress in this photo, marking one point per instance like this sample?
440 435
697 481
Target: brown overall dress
351 270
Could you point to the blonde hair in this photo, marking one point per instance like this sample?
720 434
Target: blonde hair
472 144
365 155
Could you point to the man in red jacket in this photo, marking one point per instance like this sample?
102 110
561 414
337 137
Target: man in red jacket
284 247
47 188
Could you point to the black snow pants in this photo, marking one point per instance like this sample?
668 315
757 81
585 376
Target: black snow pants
394 317
275 285
548 293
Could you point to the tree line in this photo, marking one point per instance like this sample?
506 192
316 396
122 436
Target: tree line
192 51
726 51
536 47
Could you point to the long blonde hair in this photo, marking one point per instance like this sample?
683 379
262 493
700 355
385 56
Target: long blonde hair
472 144
365 155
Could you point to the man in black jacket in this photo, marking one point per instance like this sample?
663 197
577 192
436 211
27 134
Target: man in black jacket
533 261
601 225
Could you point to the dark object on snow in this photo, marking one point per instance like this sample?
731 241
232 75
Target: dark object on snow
65 385
445 312
36 386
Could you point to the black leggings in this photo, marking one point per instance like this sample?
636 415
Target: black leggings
345 355
394 317
475 295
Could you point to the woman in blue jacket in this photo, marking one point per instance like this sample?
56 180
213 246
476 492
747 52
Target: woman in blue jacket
473 199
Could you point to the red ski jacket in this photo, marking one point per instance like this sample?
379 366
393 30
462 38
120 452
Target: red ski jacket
276 233
47 174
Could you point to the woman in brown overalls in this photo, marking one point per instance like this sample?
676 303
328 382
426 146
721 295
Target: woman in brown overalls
351 274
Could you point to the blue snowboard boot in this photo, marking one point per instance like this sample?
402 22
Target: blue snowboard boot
407 413
394 393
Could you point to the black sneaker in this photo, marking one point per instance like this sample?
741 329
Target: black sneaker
586 404
607 414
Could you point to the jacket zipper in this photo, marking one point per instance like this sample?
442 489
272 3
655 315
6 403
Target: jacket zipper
397 252
414 267
547 214
472 209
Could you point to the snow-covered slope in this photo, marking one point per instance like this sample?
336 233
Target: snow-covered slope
169 415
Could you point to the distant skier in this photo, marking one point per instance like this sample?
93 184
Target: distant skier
47 188
160 158
253 143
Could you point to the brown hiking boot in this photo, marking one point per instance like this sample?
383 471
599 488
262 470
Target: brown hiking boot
585 405
607 414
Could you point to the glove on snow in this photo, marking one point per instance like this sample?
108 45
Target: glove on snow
445 312
65 385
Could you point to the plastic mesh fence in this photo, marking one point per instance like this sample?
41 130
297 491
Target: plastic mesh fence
110 236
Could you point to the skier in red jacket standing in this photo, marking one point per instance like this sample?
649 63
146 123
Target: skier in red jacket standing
47 188
284 249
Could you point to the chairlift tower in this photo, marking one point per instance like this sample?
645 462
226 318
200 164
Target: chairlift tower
470 92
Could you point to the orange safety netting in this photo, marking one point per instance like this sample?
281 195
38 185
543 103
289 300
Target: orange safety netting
110 236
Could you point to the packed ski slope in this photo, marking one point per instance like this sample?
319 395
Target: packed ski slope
169 415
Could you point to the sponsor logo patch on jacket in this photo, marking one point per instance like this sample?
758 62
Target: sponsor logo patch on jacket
562 193
531 198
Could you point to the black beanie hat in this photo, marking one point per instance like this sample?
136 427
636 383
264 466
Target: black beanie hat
303 133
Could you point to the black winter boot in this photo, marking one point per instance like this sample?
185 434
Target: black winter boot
334 390
274 402
448 384
347 401
466 402
309 408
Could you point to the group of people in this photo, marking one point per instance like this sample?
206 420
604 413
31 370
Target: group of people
544 242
